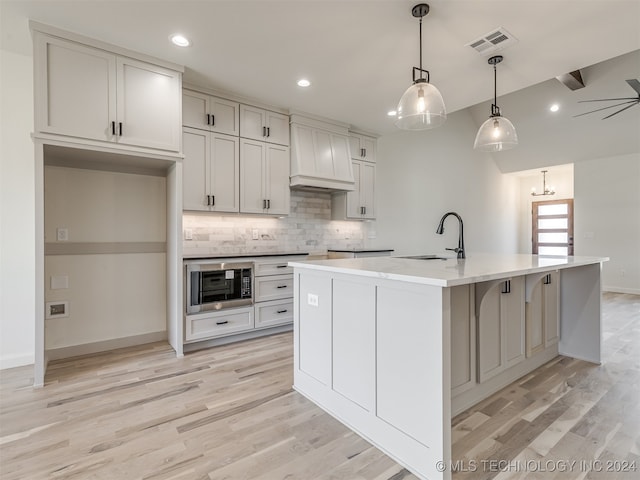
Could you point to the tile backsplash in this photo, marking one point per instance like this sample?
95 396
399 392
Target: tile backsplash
308 228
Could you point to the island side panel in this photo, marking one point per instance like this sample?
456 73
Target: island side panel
426 359
580 313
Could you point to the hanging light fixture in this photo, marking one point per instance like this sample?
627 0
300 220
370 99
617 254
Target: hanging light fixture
497 133
421 107
545 190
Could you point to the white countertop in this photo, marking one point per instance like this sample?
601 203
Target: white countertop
477 267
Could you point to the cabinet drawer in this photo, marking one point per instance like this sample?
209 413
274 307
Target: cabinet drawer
280 268
209 325
274 313
273 288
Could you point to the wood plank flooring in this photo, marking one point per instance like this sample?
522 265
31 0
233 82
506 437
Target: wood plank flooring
229 413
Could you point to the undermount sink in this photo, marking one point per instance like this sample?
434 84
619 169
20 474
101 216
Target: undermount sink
426 257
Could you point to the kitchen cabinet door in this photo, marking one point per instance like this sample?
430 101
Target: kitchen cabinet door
277 179
358 204
75 89
362 147
463 339
224 173
196 146
252 173
501 320
551 294
264 178
211 170
149 100
206 112
259 124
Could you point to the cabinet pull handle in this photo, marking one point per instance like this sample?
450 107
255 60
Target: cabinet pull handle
268 131
264 204
264 131
213 120
223 322
208 200
268 204
120 128
213 200
507 287
281 266
113 128
281 286
208 119
547 280
282 311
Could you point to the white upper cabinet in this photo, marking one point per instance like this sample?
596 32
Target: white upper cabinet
264 178
93 94
358 204
259 124
211 170
362 147
206 112
148 105
76 89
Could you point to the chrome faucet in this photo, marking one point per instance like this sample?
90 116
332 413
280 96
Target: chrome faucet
440 231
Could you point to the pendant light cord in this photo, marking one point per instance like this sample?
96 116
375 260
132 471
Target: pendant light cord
420 47
495 85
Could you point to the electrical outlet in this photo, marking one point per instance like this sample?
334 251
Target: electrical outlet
312 299
57 309
188 234
255 234
62 234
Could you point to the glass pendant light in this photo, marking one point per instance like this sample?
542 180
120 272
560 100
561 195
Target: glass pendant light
421 107
497 133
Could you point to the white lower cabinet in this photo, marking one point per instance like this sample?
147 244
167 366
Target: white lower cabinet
207 325
542 315
274 287
275 312
463 339
500 312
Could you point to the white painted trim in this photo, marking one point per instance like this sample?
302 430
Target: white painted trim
37 27
105 345
40 360
614 289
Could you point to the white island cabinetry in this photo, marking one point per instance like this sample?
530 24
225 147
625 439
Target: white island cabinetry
387 345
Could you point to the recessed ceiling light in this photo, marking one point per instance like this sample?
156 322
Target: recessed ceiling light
180 40
392 113
555 107
303 82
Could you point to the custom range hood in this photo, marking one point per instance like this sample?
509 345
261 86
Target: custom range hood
320 157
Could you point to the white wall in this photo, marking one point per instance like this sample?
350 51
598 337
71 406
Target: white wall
111 295
561 179
17 211
422 175
607 218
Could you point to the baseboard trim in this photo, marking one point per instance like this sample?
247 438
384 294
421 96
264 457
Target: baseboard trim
612 289
105 345
16 360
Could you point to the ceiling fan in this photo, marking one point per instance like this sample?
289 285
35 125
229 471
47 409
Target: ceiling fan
628 101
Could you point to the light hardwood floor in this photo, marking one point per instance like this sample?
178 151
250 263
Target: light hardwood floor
229 413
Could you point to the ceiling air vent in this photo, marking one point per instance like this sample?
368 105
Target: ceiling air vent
494 41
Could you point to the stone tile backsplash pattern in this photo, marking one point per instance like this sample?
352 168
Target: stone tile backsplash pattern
308 228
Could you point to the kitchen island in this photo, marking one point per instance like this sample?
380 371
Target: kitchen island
393 347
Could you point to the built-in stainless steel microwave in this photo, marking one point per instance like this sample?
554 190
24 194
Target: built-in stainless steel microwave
214 286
